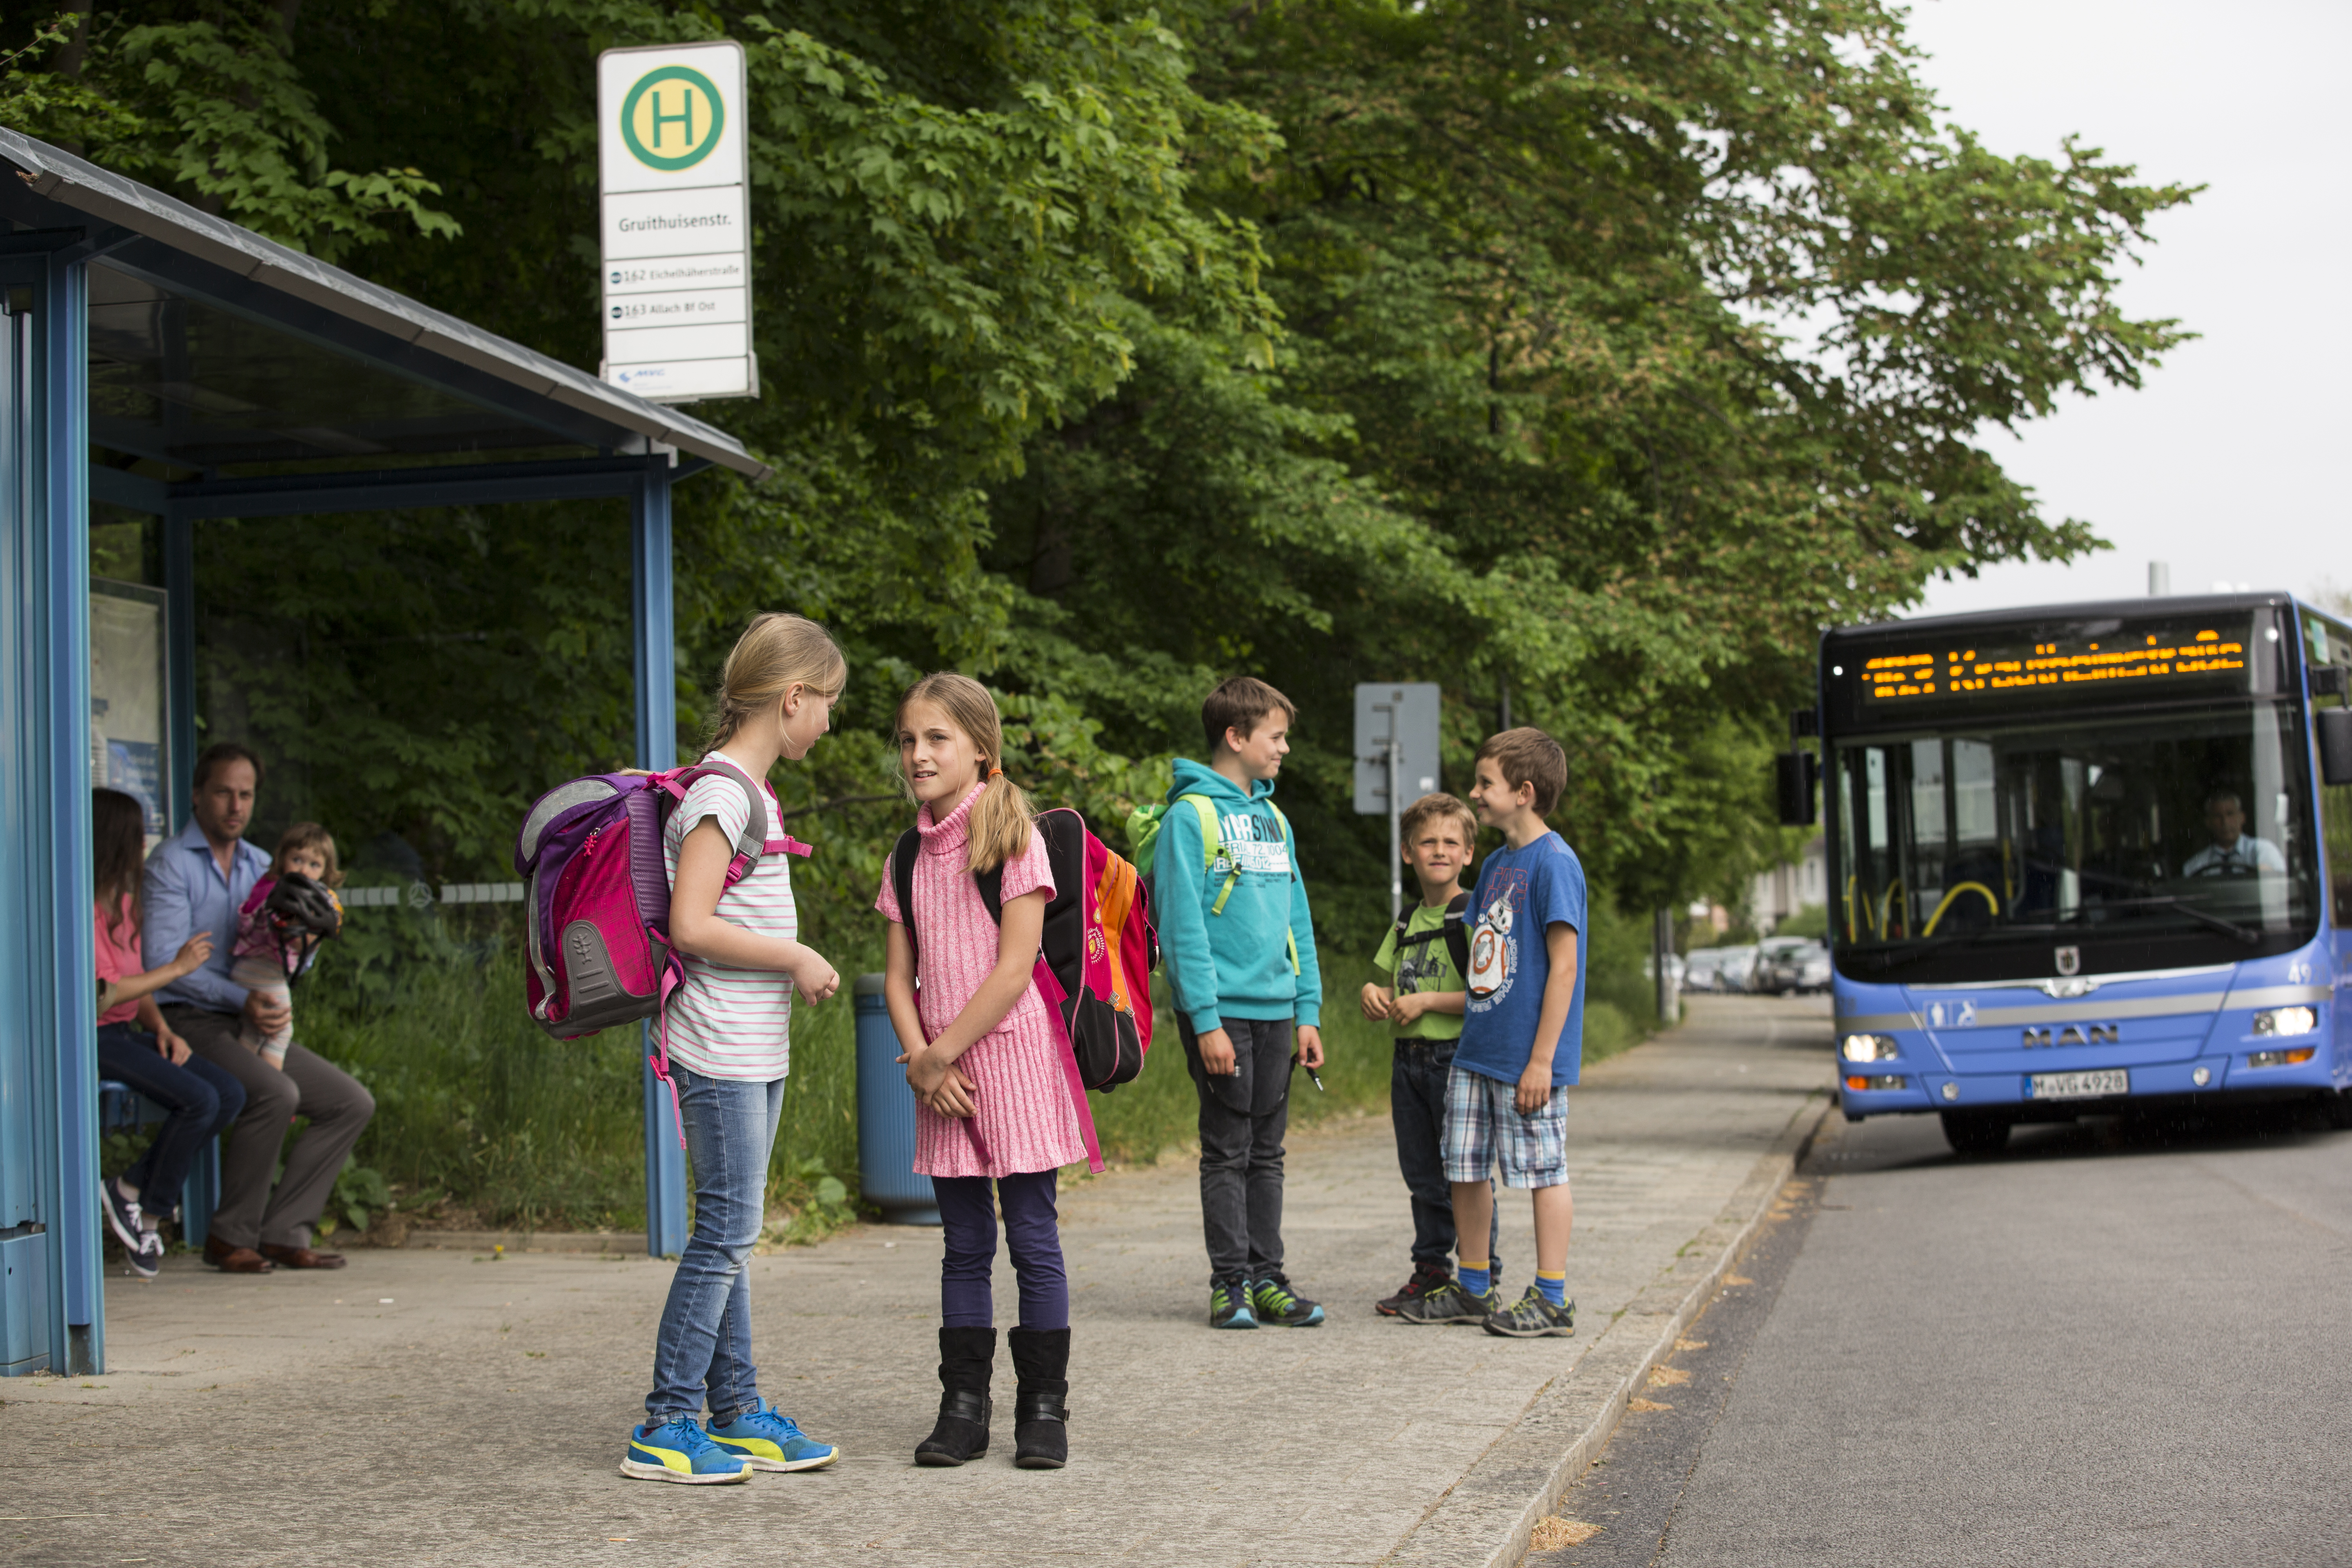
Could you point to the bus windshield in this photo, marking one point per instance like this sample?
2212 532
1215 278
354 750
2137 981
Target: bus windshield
2089 844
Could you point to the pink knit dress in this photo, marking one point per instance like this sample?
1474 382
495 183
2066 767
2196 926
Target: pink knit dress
1023 1119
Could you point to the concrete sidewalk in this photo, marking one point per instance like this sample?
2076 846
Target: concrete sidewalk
433 1408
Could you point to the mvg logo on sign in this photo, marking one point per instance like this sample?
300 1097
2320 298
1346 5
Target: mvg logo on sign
2074 1035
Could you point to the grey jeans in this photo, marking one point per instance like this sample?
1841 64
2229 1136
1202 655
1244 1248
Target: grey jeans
338 1108
1242 1119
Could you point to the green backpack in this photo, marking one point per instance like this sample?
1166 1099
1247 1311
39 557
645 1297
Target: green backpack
1143 825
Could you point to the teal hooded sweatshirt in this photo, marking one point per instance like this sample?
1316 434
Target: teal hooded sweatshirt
1234 964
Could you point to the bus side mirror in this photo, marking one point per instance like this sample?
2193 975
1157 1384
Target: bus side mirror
2328 680
1794 774
2335 745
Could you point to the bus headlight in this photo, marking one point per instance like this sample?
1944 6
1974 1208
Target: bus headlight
1868 1049
2285 1021
2280 1059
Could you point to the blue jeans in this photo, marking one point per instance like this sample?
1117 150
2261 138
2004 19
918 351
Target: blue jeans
198 1099
704 1348
1417 1110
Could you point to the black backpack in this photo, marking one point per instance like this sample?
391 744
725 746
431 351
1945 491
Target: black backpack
1457 938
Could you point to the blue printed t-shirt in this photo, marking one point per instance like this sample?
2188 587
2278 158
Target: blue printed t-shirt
1520 893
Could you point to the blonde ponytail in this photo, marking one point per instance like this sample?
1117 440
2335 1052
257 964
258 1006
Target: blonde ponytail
775 652
998 828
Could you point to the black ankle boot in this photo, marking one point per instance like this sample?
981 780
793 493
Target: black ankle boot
966 1358
1041 1360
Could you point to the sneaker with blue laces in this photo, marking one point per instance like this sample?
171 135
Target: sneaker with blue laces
680 1450
768 1441
1229 1305
1276 1302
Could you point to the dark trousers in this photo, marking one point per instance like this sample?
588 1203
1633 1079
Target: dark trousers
1242 1119
1032 1235
198 1100
1417 1111
250 1212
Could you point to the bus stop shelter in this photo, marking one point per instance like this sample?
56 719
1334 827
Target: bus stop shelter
166 362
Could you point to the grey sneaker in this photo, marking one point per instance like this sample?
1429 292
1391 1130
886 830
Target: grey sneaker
1531 1317
1449 1303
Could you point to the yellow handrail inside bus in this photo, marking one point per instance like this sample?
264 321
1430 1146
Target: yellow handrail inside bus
1956 892
1849 910
1886 911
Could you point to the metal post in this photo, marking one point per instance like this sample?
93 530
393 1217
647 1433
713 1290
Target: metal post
657 672
1662 962
1396 831
62 320
179 665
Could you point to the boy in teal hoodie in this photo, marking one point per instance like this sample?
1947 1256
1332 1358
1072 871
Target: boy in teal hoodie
1240 952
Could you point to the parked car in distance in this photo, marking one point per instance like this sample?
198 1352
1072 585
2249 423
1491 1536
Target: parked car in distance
1788 965
1719 969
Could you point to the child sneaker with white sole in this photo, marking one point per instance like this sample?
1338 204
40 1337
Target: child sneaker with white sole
680 1450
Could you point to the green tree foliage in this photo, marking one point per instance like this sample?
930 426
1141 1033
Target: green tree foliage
1596 351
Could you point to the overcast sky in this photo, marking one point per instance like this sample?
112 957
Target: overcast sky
2229 463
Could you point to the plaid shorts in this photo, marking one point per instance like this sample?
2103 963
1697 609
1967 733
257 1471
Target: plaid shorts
1484 1127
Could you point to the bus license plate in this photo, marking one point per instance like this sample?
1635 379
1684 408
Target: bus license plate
2079 1085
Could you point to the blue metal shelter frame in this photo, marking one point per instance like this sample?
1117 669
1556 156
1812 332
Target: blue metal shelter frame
61 217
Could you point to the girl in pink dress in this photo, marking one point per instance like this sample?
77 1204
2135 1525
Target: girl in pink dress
985 1058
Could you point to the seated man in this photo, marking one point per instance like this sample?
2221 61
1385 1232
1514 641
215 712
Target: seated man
195 882
2234 852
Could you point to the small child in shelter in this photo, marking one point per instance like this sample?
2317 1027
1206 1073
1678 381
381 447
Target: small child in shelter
271 952
985 1058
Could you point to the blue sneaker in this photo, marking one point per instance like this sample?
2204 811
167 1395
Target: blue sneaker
1229 1305
677 1450
767 1441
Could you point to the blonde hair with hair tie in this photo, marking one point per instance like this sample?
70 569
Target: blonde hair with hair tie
998 829
776 652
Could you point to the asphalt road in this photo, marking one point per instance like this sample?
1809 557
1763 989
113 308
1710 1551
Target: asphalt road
2116 1343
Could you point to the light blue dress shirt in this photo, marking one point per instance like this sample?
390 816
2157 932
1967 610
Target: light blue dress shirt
184 893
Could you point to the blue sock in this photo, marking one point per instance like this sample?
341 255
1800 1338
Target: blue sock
1473 1277
1553 1283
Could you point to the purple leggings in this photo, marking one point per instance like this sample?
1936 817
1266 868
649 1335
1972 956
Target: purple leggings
1032 1235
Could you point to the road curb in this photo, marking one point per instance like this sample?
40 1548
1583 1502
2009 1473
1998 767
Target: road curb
618 1241
1484 1521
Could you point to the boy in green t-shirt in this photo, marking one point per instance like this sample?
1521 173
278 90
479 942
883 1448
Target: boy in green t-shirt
1425 1002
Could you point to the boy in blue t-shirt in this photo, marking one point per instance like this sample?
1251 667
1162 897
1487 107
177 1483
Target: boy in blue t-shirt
1522 1035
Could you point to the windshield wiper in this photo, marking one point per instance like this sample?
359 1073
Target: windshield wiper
1885 958
2176 901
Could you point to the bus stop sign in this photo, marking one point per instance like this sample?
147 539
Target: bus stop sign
1402 714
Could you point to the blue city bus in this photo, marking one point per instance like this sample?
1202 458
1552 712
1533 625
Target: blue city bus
2085 859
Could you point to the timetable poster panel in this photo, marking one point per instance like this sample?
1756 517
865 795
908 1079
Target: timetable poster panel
676 283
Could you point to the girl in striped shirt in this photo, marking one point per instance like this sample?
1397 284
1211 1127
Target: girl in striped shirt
992 1106
729 1038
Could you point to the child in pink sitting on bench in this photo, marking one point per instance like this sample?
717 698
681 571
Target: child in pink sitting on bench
272 949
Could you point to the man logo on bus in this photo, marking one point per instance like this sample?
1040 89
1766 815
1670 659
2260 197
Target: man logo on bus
2070 960
671 119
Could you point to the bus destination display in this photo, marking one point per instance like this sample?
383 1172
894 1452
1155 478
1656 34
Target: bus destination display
2126 655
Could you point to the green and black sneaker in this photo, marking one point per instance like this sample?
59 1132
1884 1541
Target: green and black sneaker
1229 1305
1531 1317
1276 1302
1450 1303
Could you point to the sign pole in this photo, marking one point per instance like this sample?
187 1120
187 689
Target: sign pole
1396 837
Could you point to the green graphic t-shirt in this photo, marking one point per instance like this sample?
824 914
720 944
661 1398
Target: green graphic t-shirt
1427 966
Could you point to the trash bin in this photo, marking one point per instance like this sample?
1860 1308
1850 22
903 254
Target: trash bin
886 1118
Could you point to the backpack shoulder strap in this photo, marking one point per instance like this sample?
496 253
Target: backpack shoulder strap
1213 833
992 891
1458 934
753 841
902 878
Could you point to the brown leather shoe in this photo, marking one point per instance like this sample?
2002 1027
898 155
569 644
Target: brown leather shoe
300 1257
235 1260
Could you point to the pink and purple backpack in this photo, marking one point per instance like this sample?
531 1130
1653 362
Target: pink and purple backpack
590 854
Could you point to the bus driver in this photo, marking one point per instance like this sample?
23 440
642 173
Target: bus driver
2234 852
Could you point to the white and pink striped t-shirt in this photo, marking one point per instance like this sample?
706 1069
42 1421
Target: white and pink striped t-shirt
725 1022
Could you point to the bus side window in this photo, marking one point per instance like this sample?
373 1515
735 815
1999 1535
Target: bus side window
2336 827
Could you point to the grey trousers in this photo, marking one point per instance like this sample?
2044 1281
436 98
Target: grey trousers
1244 1116
339 1111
